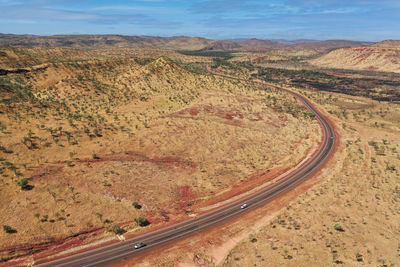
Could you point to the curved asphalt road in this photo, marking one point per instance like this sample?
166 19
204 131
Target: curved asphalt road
118 251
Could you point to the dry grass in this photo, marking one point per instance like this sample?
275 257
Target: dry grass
12 58
361 58
279 58
95 136
353 217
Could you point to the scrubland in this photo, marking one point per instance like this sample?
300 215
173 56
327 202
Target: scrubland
346 214
12 58
362 58
100 143
352 216
110 145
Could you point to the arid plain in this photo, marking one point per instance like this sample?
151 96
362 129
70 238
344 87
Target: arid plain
105 141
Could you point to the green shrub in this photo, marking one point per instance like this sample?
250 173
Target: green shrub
359 257
8 229
24 184
338 227
116 229
142 221
99 215
44 218
137 205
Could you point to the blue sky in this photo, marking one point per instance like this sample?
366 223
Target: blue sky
369 20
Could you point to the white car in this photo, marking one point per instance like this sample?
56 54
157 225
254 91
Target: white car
243 206
140 245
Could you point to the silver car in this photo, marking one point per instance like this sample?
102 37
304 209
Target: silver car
243 206
140 245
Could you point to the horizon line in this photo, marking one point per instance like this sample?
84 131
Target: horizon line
189 36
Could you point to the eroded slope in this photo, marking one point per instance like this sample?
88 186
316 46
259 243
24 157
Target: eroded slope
362 58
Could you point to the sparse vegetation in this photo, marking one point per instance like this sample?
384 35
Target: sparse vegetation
105 126
95 129
360 184
116 229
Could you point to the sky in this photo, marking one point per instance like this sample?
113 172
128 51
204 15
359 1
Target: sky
367 20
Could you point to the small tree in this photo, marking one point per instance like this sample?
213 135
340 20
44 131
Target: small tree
99 215
142 221
45 218
359 257
116 229
24 184
137 205
8 229
338 227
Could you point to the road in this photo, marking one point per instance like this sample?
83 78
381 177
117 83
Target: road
125 249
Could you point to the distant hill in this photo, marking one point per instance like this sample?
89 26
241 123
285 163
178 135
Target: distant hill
121 41
221 45
244 45
325 46
103 41
388 43
257 44
173 43
362 58
302 41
